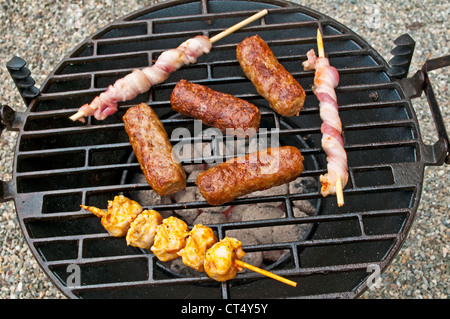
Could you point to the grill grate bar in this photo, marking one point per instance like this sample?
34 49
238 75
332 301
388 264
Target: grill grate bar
218 47
96 91
182 281
96 260
98 128
63 113
341 70
332 217
205 16
218 157
210 32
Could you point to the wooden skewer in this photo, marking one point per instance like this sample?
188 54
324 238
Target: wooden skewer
339 190
239 25
265 273
320 44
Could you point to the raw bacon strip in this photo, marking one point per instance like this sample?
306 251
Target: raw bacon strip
140 81
325 80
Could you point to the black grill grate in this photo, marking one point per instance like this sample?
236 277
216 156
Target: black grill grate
60 164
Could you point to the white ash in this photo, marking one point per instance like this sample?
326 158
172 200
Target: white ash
273 191
210 219
264 235
188 154
147 197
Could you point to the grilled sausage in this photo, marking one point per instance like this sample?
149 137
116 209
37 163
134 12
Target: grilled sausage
153 150
284 94
214 108
252 172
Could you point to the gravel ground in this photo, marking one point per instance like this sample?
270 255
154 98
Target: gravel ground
43 32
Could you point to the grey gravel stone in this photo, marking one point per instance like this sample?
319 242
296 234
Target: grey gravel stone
43 32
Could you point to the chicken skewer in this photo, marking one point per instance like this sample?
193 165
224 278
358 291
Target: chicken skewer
170 239
325 81
140 81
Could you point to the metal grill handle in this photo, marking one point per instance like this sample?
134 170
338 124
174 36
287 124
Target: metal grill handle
438 153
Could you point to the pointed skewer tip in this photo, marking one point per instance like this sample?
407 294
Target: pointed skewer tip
239 25
320 48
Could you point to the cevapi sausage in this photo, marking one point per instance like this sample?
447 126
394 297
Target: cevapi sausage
253 172
214 108
271 80
153 150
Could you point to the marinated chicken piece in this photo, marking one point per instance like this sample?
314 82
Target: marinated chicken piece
220 259
121 212
143 229
170 238
271 80
201 238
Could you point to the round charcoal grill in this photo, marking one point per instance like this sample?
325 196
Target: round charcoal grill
60 164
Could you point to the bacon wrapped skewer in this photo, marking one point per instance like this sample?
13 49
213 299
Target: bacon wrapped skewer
325 81
121 212
140 81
